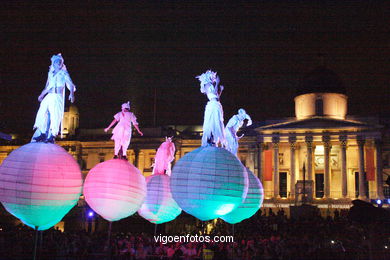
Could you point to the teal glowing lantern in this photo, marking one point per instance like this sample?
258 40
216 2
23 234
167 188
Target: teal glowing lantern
39 184
115 189
251 204
209 182
159 206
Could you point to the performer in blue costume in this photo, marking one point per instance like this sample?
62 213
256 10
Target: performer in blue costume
51 110
213 127
232 128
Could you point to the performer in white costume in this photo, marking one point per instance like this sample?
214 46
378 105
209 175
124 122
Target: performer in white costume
51 110
213 127
231 129
164 156
122 131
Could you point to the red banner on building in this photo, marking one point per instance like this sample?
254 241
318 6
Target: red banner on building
370 164
267 165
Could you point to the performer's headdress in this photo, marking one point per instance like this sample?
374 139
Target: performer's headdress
126 105
209 77
57 57
244 115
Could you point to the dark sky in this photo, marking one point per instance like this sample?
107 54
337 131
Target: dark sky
125 50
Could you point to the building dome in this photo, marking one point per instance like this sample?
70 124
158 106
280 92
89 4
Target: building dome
321 80
321 93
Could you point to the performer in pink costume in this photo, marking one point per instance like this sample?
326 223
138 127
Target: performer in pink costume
122 131
213 127
51 110
164 156
232 128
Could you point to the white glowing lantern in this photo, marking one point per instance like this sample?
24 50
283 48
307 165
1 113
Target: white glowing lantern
39 184
159 206
209 182
251 204
115 189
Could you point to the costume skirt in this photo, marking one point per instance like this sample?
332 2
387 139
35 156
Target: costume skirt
50 114
213 123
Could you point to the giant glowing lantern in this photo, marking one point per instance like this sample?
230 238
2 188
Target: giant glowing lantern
159 206
251 204
39 184
115 189
209 182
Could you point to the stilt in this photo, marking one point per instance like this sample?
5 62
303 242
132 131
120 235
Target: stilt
36 243
109 240
155 229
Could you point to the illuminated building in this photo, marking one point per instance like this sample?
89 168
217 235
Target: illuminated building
340 157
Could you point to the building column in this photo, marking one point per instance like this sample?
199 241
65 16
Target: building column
275 142
293 141
250 162
362 175
136 157
260 149
327 147
378 169
343 142
309 150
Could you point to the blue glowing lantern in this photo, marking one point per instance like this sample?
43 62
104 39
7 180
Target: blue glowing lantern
252 203
159 206
209 182
39 184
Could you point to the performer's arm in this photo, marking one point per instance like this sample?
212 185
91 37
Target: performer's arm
112 123
71 87
71 95
136 127
217 87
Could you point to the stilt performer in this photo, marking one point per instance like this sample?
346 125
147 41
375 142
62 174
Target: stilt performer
213 127
164 156
232 128
51 110
122 131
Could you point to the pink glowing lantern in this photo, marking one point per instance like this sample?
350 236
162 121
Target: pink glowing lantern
251 204
209 182
159 206
39 184
115 189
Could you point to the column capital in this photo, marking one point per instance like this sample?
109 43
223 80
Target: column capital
292 139
343 140
360 140
309 141
326 141
275 140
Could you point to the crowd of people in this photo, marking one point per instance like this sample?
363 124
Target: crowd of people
264 236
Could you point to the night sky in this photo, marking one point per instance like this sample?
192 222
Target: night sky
125 50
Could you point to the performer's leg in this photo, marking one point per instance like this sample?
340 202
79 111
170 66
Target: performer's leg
117 147
56 114
125 145
41 122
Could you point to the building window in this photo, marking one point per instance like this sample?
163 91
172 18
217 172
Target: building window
319 107
283 184
319 185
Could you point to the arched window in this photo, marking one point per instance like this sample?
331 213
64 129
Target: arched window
319 107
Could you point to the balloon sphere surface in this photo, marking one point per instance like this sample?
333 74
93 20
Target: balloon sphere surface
159 206
251 204
209 182
115 189
39 184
